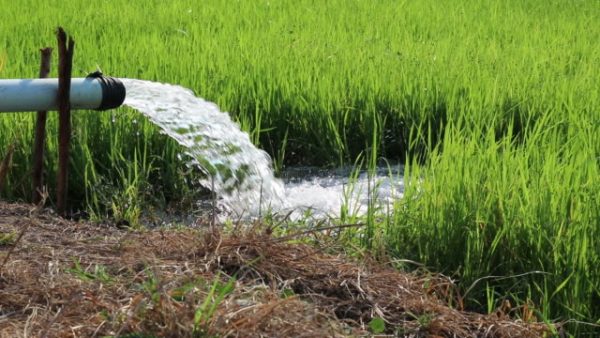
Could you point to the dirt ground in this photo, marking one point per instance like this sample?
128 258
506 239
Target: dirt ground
61 278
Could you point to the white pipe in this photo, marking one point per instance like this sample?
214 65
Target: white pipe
93 92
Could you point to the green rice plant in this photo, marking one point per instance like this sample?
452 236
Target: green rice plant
508 208
349 212
318 80
325 76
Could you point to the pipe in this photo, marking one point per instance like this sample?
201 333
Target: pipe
96 91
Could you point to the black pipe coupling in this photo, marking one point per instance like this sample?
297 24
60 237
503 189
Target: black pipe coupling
113 90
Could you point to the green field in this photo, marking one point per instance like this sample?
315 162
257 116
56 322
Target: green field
494 106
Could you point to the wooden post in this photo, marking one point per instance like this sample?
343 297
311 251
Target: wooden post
65 62
6 164
40 136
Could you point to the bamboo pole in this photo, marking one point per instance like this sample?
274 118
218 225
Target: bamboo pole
65 55
40 136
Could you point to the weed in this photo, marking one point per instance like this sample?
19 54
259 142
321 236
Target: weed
8 238
98 273
204 313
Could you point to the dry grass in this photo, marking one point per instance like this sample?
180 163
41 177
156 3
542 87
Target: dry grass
64 278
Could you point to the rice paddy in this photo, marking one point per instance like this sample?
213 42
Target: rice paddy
494 107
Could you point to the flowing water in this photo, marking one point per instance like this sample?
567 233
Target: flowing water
240 174
322 193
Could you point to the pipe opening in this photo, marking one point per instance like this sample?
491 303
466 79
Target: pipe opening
113 91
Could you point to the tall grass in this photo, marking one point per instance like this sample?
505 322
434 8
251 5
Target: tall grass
487 207
321 72
494 106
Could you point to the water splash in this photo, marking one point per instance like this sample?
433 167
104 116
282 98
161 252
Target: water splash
321 193
241 175
238 172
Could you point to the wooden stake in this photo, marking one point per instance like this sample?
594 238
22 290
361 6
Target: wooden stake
6 164
65 63
40 136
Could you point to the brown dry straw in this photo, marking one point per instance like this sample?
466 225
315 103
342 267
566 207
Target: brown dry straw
82 279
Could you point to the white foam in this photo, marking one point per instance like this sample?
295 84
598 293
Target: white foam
240 174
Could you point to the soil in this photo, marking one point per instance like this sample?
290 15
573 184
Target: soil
61 278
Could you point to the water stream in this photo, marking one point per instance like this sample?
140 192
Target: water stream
240 174
322 193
